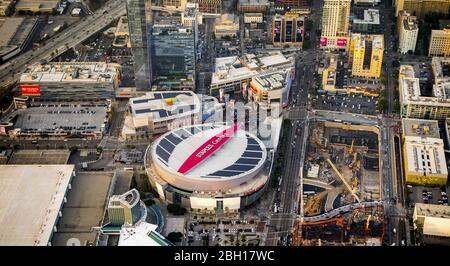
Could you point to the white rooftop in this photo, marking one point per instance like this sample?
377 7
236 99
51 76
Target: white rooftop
71 72
30 198
143 234
371 16
410 87
233 68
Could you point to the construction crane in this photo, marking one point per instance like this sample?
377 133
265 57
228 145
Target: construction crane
366 228
351 147
343 180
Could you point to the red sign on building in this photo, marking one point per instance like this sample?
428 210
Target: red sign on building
30 90
341 42
207 148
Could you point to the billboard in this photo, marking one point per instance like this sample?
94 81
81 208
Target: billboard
30 90
277 31
341 42
323 41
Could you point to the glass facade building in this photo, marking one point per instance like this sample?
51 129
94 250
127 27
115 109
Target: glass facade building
140 27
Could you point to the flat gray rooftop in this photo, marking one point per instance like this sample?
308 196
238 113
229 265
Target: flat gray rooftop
75 119
30 198
85 207
39 157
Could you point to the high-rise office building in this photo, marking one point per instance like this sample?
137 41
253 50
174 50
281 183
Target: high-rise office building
287 29
140 27
174 52
440 43
335 20
420 8
408 30
366 54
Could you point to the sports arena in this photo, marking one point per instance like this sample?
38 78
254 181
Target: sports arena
217 167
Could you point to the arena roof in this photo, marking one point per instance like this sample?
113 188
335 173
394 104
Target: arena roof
208 151
31 197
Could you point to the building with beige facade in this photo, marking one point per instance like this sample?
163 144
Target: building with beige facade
335 24
408 30
439 43
420 8
415 105
423 153
433 222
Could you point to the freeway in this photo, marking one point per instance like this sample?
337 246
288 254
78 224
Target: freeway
67 39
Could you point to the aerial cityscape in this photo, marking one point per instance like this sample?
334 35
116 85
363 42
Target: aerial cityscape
224 123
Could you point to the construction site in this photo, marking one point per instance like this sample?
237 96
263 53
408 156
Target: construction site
363 226
341 171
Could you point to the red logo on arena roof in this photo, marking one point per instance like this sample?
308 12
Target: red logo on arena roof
207 148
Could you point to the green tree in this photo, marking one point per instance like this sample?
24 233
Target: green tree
174 237
73 149
176 209
99 149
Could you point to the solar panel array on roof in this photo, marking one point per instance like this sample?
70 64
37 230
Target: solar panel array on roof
224 173
248 161
143 111
162 153
169 147
252 154
239 167
252 141
174 139
253 147
140 101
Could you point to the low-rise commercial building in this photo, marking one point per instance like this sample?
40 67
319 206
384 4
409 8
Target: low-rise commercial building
408 29
253 18
433 221
440 43
233 74
158 112
73 81
227 27
416 105
369 23
37 6
423 149
366 55
62 120
122 34
32 199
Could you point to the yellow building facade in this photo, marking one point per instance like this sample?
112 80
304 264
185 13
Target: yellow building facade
366 55
420 8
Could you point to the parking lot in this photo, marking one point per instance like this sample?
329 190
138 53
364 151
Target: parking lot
347 103
427 195
101 49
